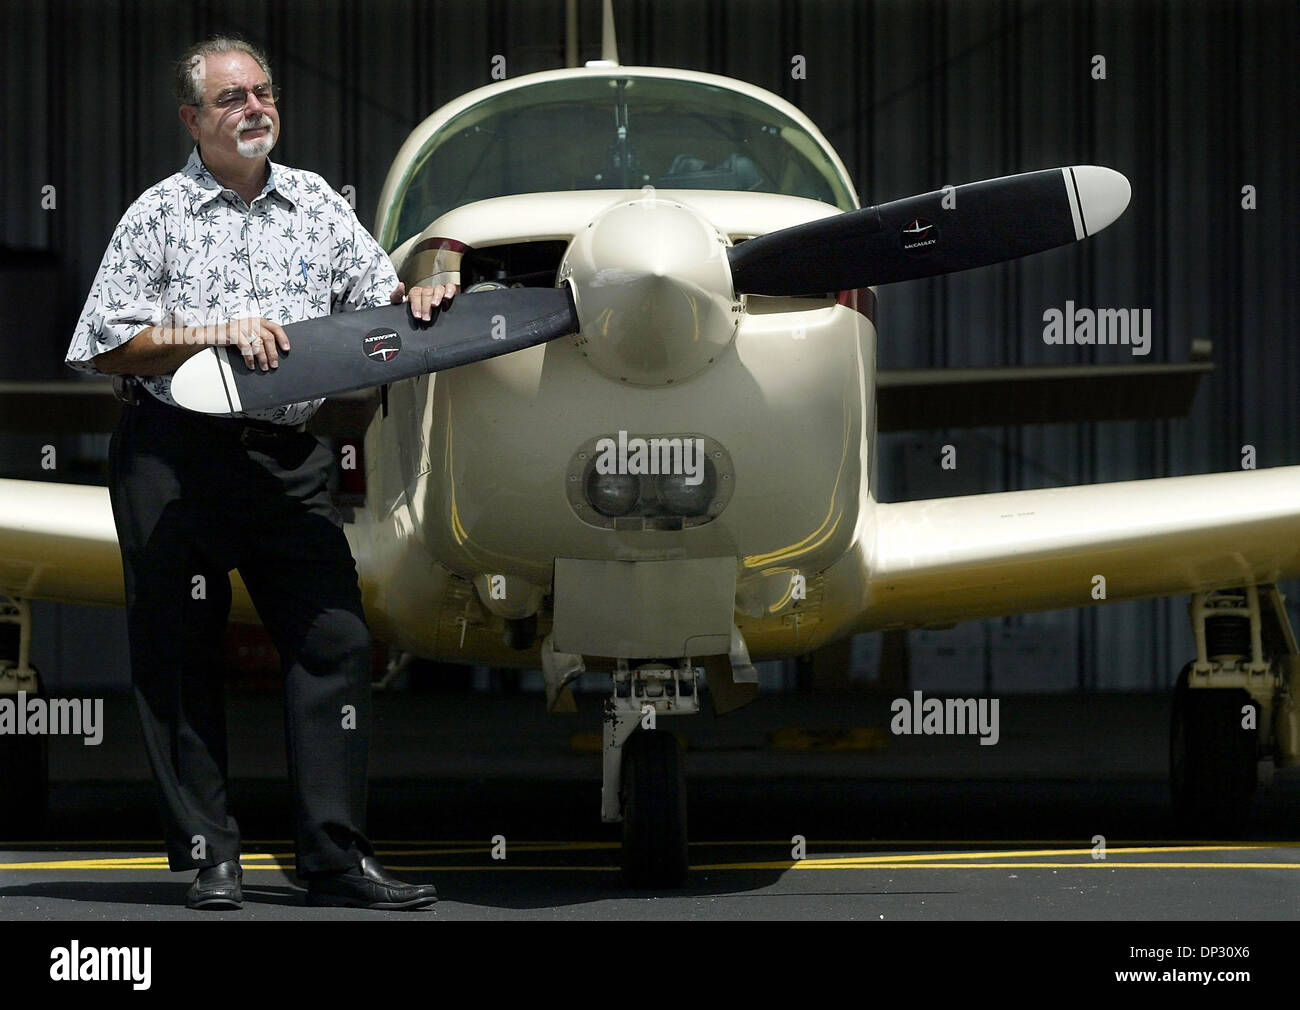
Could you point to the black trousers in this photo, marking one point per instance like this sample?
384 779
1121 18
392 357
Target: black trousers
193 498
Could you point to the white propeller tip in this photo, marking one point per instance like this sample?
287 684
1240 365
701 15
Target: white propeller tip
203 383
1103 195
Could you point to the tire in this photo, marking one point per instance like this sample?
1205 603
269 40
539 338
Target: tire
1213 761
653 789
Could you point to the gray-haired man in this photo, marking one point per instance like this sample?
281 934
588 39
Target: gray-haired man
228 250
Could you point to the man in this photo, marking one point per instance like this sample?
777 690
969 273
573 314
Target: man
225 252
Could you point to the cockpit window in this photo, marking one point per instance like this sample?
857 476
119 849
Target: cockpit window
611 132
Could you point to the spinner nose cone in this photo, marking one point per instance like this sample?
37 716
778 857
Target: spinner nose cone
1103 195
653 292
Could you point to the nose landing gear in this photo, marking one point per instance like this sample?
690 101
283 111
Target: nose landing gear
644 774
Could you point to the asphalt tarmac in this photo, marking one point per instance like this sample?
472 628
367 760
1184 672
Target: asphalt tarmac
935 828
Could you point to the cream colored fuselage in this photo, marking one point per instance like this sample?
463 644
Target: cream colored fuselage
467 474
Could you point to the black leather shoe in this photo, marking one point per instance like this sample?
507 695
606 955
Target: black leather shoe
217 887
368 886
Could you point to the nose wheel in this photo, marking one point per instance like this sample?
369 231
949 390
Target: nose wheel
644 773
653 792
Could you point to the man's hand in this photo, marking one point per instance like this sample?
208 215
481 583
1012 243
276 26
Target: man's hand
424 300
256 338
160 350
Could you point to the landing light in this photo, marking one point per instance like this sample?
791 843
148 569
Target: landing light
617 494
646 491
681 498
613 494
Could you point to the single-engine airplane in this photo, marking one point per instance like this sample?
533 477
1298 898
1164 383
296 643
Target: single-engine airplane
675 478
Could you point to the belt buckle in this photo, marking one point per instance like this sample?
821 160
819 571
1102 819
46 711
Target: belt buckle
126 388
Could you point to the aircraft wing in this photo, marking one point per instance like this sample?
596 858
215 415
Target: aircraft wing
58 542
931 563
947 560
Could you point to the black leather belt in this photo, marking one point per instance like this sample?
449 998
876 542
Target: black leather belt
253 433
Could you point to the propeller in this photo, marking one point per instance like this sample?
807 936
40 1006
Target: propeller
936 233
653 272
372 347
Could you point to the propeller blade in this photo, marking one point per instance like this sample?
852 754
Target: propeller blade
935 233
357 350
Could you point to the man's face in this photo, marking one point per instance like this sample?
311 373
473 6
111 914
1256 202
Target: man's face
231 131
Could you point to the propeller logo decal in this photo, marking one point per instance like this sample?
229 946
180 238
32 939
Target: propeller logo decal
919 235
382 344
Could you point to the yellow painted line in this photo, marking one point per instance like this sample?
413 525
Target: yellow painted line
1025 853
934 859
997 859
249 860
912 843
901 843
1111 846
808 864
804 864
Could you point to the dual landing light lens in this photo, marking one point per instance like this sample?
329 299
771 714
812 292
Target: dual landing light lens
694 485
616 494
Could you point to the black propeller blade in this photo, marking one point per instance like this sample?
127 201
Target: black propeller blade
936 233
357 350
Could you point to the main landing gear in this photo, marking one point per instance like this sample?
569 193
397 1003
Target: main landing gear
1234 707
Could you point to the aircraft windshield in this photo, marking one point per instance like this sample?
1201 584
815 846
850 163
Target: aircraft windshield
611 132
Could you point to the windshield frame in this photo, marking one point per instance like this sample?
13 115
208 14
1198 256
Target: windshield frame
805 139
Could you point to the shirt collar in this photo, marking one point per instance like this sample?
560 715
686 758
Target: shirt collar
203 187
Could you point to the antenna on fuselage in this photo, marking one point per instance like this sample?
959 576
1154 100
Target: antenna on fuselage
608 41
570 33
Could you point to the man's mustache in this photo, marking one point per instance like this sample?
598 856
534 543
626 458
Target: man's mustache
254 124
